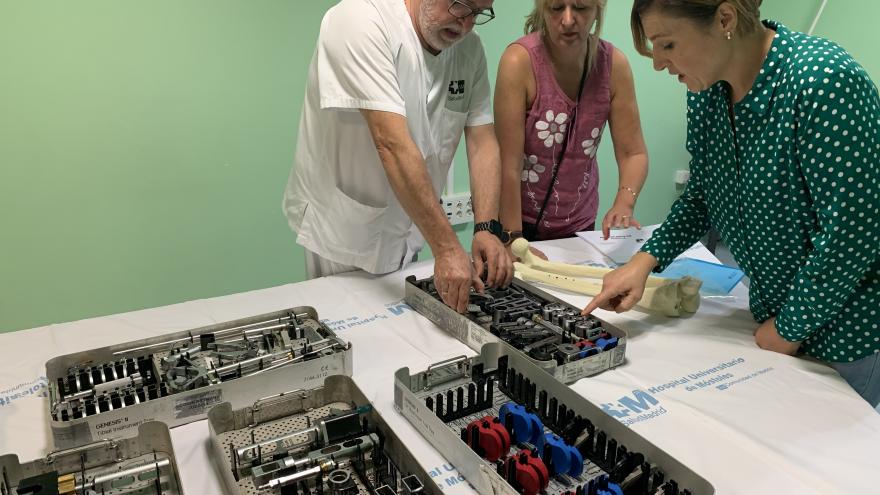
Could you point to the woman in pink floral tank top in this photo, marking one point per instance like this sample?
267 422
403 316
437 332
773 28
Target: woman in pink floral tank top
558 80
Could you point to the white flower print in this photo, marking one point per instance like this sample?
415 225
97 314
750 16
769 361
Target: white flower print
553 129
591 146
531 169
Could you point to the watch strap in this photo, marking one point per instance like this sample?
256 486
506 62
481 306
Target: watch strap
492 226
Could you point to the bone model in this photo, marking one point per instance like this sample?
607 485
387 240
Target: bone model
670 297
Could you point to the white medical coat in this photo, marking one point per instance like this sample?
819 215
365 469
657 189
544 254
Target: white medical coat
338 198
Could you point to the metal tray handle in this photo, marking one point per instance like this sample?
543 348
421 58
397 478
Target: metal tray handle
272 399
100 444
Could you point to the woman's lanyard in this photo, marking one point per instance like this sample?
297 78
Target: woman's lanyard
564 143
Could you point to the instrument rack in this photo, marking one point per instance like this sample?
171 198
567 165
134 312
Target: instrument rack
176 378
510 428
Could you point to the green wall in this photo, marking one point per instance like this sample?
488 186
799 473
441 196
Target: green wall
144 146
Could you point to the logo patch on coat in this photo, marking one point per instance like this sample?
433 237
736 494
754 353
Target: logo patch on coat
456 90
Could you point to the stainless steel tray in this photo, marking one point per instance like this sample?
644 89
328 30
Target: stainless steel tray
588 450
328 436
141 465
176 378
543 328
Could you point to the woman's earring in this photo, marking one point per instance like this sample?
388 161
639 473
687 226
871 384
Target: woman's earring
727 35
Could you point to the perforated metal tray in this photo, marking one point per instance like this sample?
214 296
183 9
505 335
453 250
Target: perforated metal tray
271 422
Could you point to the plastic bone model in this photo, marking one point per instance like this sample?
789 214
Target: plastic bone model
670 297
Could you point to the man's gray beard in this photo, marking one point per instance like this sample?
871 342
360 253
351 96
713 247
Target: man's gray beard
431 36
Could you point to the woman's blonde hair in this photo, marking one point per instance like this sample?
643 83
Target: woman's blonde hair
701 11
535 22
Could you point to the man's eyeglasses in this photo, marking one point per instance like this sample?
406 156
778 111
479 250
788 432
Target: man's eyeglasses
462 10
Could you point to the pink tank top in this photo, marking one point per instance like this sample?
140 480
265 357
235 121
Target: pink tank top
574 200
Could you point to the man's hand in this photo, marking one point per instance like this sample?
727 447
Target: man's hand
454 276
623 288
490 255
768 338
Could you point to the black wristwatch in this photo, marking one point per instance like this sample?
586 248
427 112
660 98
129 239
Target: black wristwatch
493 226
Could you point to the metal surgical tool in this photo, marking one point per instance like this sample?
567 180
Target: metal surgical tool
322 461
134 380
323 432
97 482
293 319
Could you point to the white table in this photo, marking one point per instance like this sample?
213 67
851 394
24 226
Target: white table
749 421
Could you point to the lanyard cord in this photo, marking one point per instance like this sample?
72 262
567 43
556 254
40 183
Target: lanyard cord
564 143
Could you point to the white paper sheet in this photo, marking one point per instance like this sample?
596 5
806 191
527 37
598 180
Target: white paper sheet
622 244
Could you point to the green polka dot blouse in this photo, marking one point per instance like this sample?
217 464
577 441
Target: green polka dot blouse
793 189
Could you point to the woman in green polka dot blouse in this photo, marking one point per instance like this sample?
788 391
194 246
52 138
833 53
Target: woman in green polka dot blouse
783 134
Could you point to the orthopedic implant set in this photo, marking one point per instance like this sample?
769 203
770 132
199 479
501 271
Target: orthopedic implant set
285 417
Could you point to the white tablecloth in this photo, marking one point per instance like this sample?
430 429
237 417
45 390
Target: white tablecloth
750 421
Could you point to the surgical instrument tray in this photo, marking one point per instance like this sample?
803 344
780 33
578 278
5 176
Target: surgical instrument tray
322 440
549 331
176 378
510 428
142 465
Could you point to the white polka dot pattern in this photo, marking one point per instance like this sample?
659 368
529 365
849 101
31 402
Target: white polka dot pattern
793 189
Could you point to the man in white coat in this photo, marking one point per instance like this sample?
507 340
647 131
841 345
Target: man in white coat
392 86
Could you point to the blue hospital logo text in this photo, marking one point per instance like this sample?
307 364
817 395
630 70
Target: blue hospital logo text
397 308
36 388
637 407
